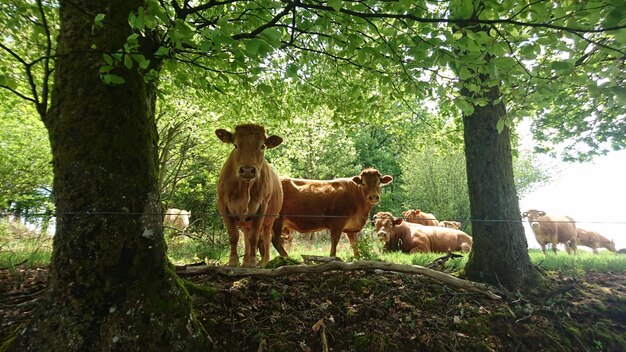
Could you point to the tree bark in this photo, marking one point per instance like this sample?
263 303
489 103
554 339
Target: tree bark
111 287
500 252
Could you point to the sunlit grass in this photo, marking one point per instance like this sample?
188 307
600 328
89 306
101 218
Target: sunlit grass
36 251
21 246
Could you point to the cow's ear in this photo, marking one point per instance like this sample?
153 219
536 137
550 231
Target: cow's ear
385 180
357 180
524 214
542 213
224 136
397 221
273 141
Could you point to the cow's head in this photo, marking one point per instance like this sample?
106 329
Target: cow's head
533 215
370 182
384 223
250 143
611 246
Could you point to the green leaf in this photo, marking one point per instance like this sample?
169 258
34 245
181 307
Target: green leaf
98 19
108 59
252 46
292 71
500 125
162 52
466 107
128 62
272 36
620 94
115 79
335 4
264 88
562 65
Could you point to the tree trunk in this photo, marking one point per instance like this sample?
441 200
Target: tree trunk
500 252
111 287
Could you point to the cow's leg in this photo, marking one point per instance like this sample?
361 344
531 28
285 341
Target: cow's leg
543 247
554 243
277 230
250 245
233 239
335 235
353 237
594 247
573 246
264 243
568 247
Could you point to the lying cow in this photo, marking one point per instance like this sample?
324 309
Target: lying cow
176 218
399 235
248 190
552 229
450 224
340 205
594 240
420 217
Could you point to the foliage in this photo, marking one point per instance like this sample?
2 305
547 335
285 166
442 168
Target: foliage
25 169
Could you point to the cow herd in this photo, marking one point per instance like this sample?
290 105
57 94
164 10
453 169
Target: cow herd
556 229
253 198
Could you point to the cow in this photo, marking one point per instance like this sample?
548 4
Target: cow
552 229
339 205
450 224
594 240
419 217
400 235
176 218
249 194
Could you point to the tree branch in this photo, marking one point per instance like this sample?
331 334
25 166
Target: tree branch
336 265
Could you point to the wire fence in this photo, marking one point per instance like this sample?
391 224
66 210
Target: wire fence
219 216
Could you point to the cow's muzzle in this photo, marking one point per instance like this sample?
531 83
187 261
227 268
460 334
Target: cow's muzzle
383 236
248 173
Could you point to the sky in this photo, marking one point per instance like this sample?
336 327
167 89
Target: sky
593 193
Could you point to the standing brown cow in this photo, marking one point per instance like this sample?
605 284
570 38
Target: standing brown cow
552 229
594 240
420 217
248 191
340 205
399 235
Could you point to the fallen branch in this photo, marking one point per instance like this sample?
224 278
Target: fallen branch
336 265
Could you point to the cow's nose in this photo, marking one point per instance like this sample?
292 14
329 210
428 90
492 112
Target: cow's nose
373 197
247 172
382 235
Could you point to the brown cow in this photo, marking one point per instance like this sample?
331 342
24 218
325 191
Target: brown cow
411 238
552 229
420 217
594 240
248 191
340 205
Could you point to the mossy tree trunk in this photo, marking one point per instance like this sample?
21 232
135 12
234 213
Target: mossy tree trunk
500 251
111 287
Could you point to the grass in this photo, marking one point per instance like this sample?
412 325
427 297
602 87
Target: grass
20 245
25 246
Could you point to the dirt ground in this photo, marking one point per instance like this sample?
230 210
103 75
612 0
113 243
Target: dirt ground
380 311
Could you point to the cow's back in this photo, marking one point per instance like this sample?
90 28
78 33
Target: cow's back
566 228
443 239
310 205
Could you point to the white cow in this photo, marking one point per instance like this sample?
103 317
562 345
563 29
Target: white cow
177 218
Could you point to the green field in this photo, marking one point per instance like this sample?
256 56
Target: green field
27 248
